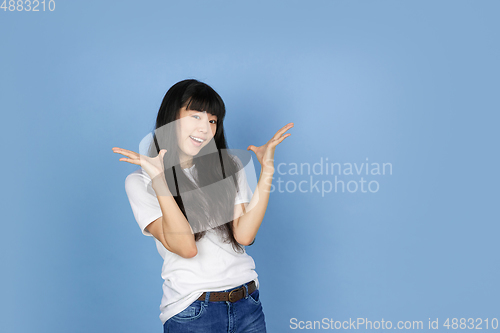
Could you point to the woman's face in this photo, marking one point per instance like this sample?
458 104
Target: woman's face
194 130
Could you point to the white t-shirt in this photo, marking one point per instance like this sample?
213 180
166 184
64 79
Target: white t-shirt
215 267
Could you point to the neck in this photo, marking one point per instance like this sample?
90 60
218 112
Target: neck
186 161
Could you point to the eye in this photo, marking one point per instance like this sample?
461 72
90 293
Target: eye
196 116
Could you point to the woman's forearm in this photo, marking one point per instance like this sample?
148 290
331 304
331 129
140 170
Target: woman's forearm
247 225
177 232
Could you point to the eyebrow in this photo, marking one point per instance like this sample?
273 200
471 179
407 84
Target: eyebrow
213 115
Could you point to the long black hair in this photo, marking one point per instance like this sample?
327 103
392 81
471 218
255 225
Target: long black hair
209 202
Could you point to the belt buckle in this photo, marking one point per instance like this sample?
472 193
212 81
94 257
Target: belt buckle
231 293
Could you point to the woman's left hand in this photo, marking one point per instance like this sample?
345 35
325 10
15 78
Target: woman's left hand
265 153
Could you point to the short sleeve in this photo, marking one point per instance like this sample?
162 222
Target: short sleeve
142 198
245 193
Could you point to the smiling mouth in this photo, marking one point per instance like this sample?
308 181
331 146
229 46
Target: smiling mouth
198 140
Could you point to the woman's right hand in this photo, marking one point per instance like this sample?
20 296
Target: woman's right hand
152 165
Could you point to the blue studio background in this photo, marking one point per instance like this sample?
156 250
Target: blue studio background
410 83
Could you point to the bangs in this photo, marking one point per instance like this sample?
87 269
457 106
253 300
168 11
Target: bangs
206 100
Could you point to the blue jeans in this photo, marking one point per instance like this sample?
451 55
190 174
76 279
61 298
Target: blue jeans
243 316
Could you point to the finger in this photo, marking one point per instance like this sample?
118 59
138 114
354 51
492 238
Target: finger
283 130
129 155
126 152
283 137
123 159
279 140
121 150
252 148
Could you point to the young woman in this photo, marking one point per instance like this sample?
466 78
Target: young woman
192 196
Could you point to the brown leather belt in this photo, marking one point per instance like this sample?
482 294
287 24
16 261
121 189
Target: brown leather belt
231 296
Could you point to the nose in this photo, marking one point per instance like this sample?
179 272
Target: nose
204 125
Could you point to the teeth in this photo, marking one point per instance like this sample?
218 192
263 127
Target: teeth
196 139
